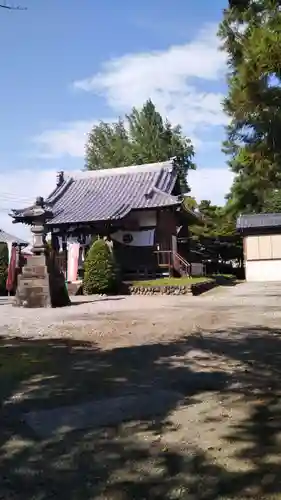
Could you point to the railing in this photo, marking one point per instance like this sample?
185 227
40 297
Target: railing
181 265
164 260
172 260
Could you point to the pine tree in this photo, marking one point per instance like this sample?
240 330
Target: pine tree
272 202
143 138
251 35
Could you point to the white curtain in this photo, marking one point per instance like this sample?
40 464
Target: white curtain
72 261
143 238
9 245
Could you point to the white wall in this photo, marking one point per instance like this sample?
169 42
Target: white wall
263 270
263 247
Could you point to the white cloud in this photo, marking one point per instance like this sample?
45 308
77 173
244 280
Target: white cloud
170 78
67 139
19 188
175 79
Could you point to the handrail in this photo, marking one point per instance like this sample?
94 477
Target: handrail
181 259
164 258
182 262
171 259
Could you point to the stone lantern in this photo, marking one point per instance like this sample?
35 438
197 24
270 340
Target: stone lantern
41 283
38 215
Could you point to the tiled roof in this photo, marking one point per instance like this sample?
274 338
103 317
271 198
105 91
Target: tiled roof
6 238
112 193
255 221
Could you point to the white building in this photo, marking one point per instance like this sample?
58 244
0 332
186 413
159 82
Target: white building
262 246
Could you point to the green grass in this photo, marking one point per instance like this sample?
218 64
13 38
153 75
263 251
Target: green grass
171 281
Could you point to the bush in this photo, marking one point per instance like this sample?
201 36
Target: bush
4 260
100 270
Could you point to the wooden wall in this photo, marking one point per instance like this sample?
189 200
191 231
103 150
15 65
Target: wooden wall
166 228
264 247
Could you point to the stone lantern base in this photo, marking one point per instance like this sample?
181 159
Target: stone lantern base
41 284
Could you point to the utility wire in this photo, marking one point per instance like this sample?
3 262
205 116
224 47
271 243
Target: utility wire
7 195
12 7
13 197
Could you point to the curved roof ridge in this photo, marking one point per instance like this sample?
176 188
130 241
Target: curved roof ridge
111 193
131 169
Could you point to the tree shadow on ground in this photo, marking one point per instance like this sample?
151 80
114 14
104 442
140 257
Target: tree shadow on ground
258 435
132 460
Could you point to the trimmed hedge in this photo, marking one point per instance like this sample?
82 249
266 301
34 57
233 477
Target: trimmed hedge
4 260
100 274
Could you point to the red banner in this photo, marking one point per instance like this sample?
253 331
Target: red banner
12 270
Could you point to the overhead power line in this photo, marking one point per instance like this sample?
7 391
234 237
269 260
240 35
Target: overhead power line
5 5
16 198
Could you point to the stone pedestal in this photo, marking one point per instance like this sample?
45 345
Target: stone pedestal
33 288
41 284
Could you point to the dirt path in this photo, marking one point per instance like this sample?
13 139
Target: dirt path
217 437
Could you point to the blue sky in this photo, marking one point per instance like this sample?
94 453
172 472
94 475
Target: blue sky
67 64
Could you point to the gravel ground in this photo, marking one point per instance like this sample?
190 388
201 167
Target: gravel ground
110 320
221 437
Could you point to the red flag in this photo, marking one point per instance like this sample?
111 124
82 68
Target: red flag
12 270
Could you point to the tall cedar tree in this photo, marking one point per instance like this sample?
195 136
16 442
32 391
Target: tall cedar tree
144 137
251 35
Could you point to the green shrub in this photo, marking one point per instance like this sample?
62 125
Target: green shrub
100 274
4 261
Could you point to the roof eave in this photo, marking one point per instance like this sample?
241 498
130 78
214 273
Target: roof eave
255 229
188 212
